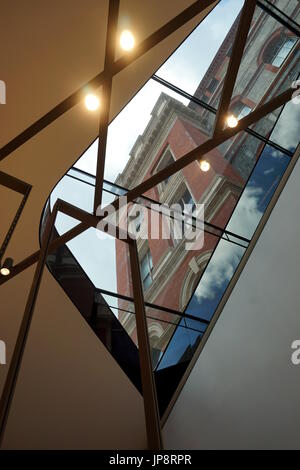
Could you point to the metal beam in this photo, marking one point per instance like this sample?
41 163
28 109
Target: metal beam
149 389
152 417
234 63
138 191
110 49
155 38
208 146
18 186
30 260
18 353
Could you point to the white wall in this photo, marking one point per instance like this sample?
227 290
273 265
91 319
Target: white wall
244 391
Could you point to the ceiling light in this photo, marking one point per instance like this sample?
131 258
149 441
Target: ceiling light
92 102
232 121
5 270
127 40
204 165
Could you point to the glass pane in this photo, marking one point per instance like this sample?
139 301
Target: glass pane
219 185
144 125
204 302
182 70
258 192
77 193
287 11
181 347
161 324
269 67
82 175
286 132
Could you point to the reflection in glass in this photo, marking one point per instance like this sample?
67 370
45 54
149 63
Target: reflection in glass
184 71
160 126
258 192
205 300
287 129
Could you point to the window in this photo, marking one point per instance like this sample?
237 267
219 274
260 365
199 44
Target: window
146 270
244 112
240 110
166 160
212 85
177 225
137 218
138 221
185 199
283 51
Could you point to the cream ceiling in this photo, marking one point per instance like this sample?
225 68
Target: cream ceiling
51 48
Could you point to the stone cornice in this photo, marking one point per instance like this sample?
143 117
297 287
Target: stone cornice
147 145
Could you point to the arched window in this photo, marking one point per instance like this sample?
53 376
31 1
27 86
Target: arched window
156 332
196 268
278 50
165 161
283 52
146 266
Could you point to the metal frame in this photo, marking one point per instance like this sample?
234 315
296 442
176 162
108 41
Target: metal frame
87 220
151 41
234 63
279 16
112 23
18 186
148 384
213 110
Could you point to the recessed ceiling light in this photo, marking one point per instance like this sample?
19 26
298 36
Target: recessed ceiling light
127 40
204 165
232 121
92 102
5 270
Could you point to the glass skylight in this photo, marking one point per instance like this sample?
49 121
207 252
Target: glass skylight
173 113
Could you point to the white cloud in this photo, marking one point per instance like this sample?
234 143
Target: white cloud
246 214
227 255
220 269
267 172
287 130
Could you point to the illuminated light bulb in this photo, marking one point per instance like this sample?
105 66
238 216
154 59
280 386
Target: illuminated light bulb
204 165
92 102
5 270
232 121
127 40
